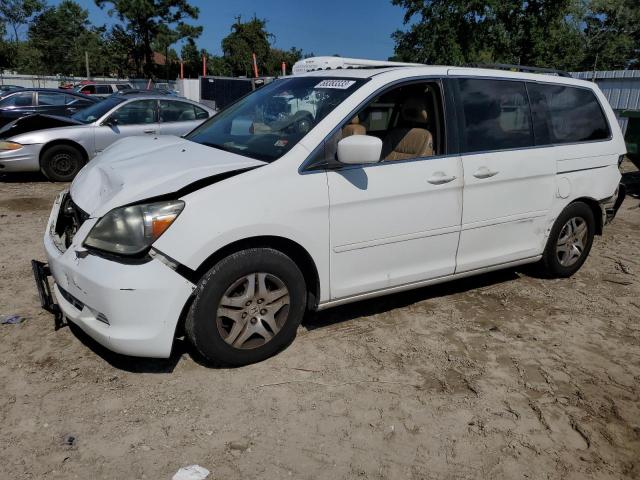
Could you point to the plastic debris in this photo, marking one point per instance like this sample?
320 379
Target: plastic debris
10 319
192 472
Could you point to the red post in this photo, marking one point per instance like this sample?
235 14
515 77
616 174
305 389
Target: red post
181 70
255 66
284 69
204 66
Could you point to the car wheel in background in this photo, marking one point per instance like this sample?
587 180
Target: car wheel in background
61 163
247 307
570 240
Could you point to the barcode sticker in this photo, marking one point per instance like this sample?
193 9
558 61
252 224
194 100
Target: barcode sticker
339 84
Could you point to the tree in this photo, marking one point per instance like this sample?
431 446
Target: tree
535 32
60 35
18 13
612 34
277 56
245 39
150 20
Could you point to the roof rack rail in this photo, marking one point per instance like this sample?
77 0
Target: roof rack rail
338 63
520 68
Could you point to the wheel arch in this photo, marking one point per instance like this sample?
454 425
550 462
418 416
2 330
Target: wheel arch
292 249
63 141
594 205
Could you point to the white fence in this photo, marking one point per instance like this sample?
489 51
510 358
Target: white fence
37 81
189 88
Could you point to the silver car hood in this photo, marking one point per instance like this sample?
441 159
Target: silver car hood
137 168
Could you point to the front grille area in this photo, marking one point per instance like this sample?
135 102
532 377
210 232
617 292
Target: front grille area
71 299
70 218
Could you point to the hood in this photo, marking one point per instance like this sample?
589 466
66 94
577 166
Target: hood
31 123
137 168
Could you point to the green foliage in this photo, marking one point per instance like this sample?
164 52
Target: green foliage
245 39
564 34
149 21
17 13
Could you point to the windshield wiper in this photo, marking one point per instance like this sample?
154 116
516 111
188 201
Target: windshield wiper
219 147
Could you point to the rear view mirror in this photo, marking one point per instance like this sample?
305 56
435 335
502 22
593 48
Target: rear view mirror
357 149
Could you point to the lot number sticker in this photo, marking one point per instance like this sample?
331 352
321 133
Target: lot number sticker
339 84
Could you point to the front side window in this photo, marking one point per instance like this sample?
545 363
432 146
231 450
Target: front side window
22 99
564 114
88 89
139 112
97 110
495 115
269 122
50 99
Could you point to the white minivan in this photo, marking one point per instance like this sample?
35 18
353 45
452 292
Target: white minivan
326 188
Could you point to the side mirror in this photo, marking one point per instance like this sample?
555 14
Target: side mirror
357 149
111 122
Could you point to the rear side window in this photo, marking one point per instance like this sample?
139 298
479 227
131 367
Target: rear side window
103 89
495 115
49 99
563 114
176 111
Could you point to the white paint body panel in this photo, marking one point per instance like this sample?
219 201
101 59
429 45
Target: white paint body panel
369 230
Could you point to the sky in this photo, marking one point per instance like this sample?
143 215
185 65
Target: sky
350 28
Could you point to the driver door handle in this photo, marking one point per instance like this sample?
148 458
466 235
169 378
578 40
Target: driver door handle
149 130
484 172
439 178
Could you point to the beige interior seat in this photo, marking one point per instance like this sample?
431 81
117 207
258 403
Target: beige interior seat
412 140
354 128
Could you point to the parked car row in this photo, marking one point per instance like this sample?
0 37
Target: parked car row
60 146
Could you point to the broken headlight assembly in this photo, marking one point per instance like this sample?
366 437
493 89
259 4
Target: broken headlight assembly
131 230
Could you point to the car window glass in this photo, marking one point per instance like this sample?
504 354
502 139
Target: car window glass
495 115
50 99
174 111
102 89
139 112
121 86
565 114
201 113
88 89
22 99
267 123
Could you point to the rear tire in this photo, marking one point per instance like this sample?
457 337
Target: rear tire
247 307
61 163
570 241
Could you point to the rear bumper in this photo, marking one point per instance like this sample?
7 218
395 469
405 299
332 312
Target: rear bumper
129 309
27 159
611 205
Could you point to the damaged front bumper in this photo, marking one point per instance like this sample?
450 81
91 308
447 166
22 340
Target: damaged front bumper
130 308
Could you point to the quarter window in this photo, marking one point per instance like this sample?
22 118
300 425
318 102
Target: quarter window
496 115
563 114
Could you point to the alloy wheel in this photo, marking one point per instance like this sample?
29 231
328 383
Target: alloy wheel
572 241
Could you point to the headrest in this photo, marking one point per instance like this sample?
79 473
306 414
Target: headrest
355 120
414 110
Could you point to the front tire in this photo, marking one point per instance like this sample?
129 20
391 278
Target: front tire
247 307
570 240
61 163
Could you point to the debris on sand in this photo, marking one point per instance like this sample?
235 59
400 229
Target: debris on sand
11 319
192 472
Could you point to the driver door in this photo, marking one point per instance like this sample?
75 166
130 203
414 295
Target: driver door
137 117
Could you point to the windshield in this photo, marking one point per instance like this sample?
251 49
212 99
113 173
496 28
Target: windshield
95 111
269 122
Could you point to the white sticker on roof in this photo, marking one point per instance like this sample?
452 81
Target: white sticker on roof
339 84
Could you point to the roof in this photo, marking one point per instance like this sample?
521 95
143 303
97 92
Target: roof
440 70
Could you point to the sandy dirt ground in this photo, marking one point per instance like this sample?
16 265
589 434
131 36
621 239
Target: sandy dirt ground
506 375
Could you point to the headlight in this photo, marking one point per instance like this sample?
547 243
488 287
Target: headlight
131 230
4 146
